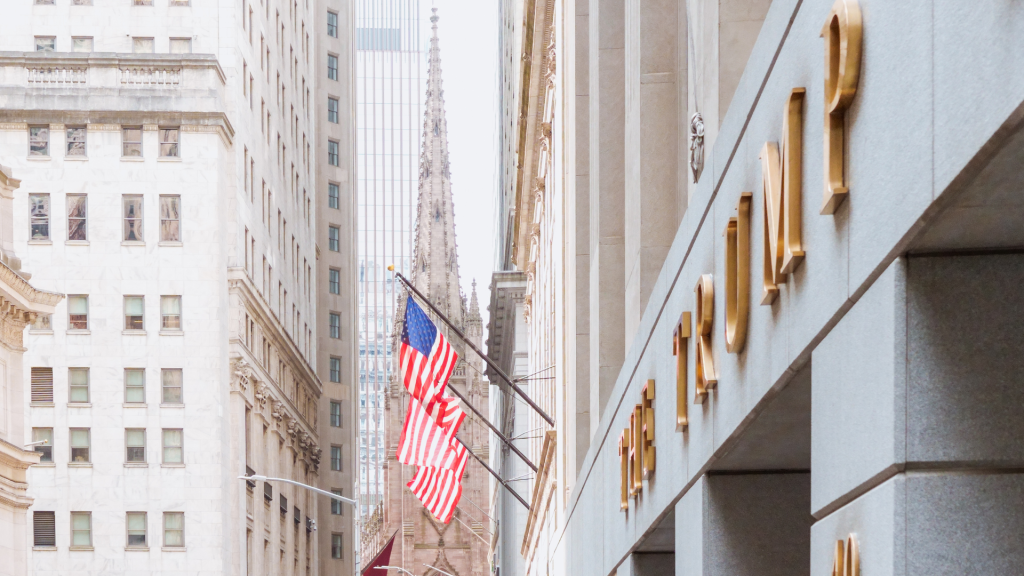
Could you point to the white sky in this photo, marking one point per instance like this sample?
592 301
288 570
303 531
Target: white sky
468 33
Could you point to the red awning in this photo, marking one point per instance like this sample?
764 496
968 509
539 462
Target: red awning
383 558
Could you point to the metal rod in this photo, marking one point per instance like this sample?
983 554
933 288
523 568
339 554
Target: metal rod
486 359
495 474
491 426
471 530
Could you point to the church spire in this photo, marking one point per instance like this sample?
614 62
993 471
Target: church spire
435 263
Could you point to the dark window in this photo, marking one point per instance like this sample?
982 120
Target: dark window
332 197
332 110
332 24
44 529
334 281
335 413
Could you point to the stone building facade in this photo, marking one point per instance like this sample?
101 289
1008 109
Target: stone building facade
169 157
782 253
20 305
459 547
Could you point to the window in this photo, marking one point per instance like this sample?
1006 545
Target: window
135 445
178 3
81 529
39 141
46 450
135 522
45 43
143 45
174 529
335 413
170 219
77 213
44 2
81 2
336 458
132 218
168 142
44 530
181 45
172 447
336 548
42 384
131 142
336 370
81 44
42 323
39 216
332 67
78 312
134 385
78 385
332 110
76 141
333 239
332 152
332 24
170 383
170 312
142 2
80 445
332 195
134 307
334 281
335 323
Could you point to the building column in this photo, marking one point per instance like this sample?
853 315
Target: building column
581 141
652 124
607 202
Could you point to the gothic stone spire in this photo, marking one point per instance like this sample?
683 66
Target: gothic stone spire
435 263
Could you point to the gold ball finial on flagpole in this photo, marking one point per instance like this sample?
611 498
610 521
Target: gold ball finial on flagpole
391 267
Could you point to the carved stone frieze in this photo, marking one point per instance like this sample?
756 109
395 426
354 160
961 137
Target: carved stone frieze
260 395
242 375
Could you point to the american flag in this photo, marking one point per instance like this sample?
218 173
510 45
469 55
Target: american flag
424 442
426 359
439 489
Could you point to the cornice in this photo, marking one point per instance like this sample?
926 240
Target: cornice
111 60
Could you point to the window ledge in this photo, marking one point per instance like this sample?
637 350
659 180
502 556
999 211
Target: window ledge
134 404
79 464
172 332
85 332
41 332
40 243
169 243
39 158
172 548
132 243
136 548
79 404
169 159
133 332
41 404
44 548
45 465
76 158
136 464
81 548
76 243
132 159
172 405
165 465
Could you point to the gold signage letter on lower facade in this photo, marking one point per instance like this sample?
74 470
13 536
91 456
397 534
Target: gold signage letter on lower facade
847 558
680 339
624 469
705 365
647 433
737 275
783 189
636 451
843 32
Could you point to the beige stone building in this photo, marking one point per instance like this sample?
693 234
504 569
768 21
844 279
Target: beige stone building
20 305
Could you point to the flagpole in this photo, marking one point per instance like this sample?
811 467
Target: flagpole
462 336
493 473
491 426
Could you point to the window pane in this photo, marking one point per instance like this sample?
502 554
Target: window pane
171 386
131 142
174 529
39 216
133 312
40 434
170 310
76 142
78 312
81 44
170 218
134 385
78 378
336 370
45 43
80 529
77 212
172 447
39 141
332 110
332 195
133 218
169 142
135 443
136 523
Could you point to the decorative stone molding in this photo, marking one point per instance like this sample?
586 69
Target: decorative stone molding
260 396
242 375
277 410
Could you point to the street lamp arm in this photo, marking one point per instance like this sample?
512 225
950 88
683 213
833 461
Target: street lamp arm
438 569
396 568
257 477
